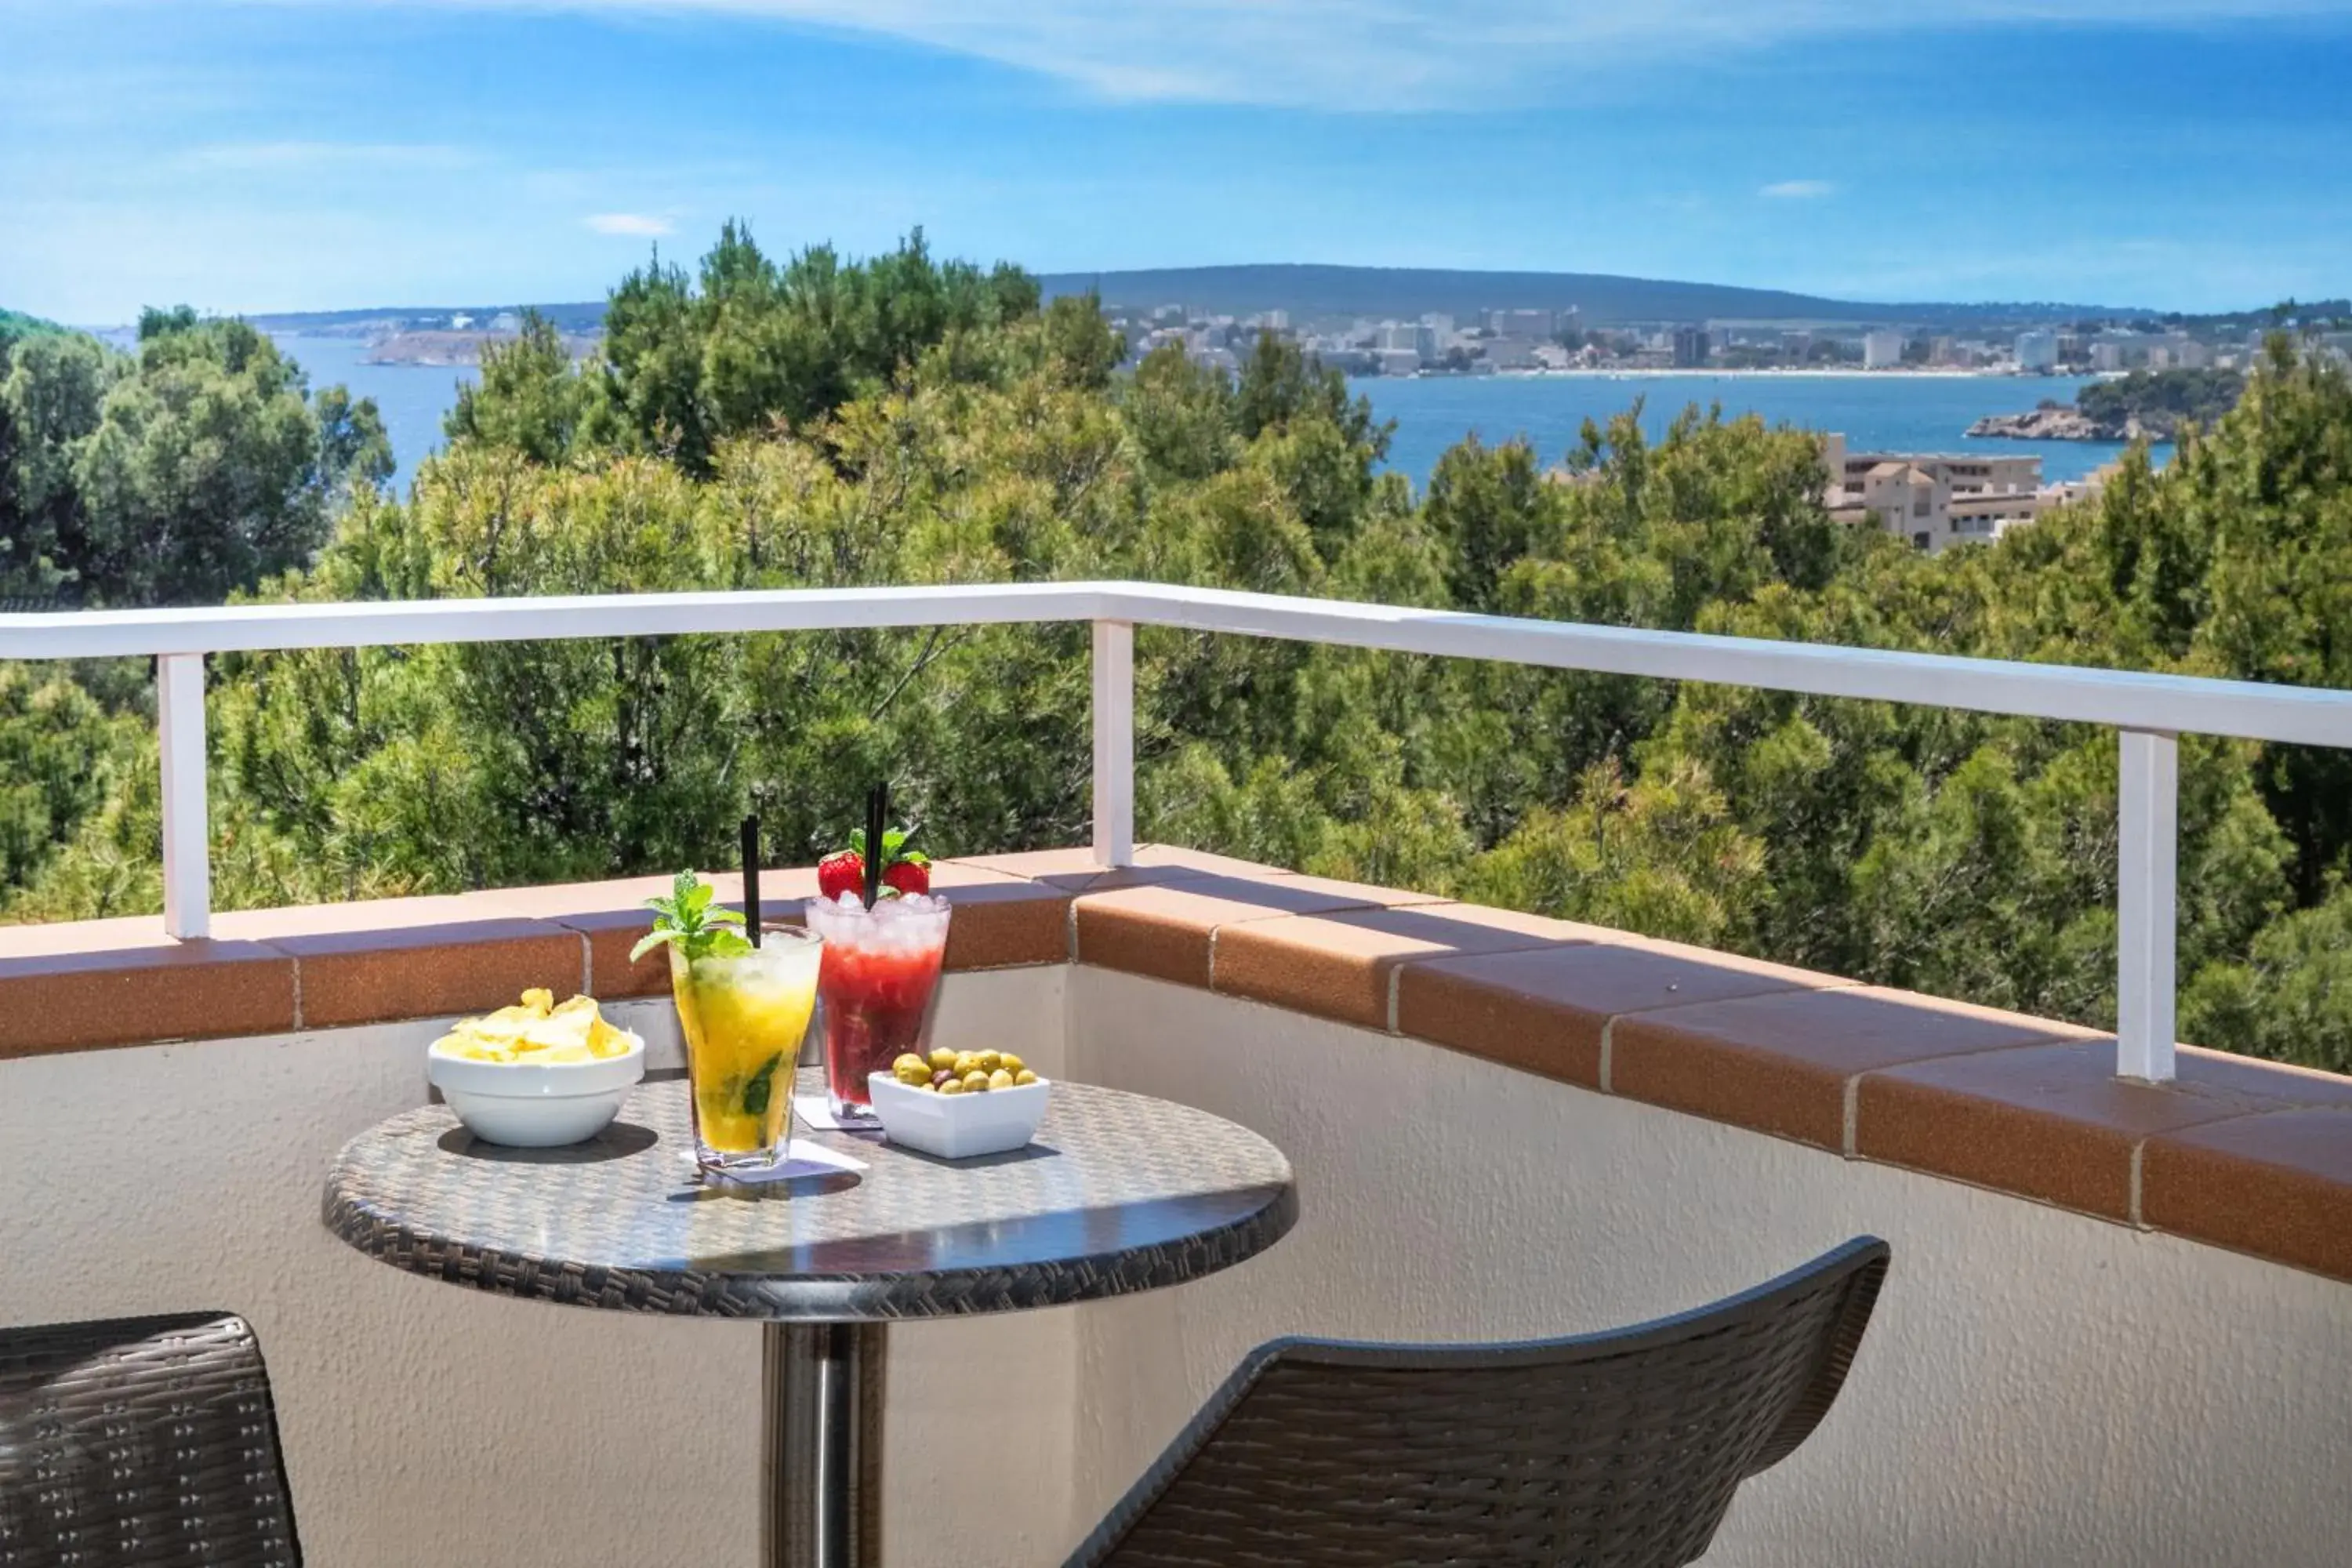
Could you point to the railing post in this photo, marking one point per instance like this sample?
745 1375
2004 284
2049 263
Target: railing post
2147 824
1114 721
187 863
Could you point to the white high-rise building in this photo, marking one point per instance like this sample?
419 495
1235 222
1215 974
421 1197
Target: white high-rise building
1407 337
1519 323
1881 350
2037 351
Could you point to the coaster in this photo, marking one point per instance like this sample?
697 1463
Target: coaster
803 1158
816 1111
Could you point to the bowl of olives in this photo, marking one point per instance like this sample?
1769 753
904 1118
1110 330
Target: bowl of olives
957 1104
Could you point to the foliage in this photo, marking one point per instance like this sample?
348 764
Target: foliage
194 468
2162 398
899 421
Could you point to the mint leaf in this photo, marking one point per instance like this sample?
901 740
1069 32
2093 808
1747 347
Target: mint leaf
760 1084
686 920
716 944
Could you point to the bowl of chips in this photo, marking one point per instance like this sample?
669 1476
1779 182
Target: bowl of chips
539 1074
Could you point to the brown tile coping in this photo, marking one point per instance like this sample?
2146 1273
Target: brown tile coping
609 918
2053 1122
2278 1185
2239 1154
1548 1011
1781 1063
93 984
410 958
1169 930
1344 965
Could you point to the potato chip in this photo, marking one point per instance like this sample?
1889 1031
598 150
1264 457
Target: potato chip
536 1029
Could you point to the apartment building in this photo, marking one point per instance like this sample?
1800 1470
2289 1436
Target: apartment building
1934 500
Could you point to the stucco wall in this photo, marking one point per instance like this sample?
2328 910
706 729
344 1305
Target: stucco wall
2037 1388
429 1423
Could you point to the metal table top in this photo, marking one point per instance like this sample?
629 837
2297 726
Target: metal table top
1118 1193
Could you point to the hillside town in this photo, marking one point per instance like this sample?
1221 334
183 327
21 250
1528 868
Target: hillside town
1532 341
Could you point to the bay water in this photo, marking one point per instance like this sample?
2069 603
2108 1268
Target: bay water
1875 411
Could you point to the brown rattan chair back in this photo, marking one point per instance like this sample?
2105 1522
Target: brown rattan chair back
1611 1450
141 1441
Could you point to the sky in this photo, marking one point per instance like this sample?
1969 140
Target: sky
255 155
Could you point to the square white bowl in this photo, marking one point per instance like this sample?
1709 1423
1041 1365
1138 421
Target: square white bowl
958 1126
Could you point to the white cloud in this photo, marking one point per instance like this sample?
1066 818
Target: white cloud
641 226
1798 190
1388 53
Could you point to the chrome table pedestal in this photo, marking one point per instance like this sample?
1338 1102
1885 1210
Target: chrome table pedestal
820 1506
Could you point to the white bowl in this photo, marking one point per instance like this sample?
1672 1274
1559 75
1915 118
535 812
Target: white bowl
536 1105
958 1126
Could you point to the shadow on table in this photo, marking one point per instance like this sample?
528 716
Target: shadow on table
617 1142
1021 1156
816 1184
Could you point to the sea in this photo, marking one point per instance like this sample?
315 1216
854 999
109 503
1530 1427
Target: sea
1898 413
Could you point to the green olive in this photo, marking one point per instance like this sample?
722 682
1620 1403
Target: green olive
1000 1078
1011 1062
975 1082
953 1086
1023 1076
987 1061
942 1057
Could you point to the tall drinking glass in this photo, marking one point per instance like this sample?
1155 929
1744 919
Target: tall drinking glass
744 1018
880 968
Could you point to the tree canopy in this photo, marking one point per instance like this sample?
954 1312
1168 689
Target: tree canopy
195 468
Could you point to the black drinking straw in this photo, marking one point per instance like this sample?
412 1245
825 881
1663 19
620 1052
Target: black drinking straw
751 878
878 809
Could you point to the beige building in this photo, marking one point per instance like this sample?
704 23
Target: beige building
1934 500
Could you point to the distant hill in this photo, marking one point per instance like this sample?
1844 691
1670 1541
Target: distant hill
1310 291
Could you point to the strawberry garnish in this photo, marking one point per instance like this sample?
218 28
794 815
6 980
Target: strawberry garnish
905 871
843 871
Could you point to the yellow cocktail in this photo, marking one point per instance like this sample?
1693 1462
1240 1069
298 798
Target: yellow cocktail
744 1015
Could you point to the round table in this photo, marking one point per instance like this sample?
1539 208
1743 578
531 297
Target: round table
1118 1193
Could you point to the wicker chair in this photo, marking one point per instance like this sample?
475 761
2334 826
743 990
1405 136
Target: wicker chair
141 1441
1611 1450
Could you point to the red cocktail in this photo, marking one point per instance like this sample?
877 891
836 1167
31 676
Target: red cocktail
880 968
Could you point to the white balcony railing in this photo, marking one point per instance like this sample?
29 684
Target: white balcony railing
2149 711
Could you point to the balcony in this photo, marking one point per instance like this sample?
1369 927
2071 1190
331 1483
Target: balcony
2115 1331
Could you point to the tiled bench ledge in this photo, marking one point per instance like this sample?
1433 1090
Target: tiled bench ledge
2240 1153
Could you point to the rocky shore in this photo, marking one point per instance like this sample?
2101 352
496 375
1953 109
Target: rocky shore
2057 422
